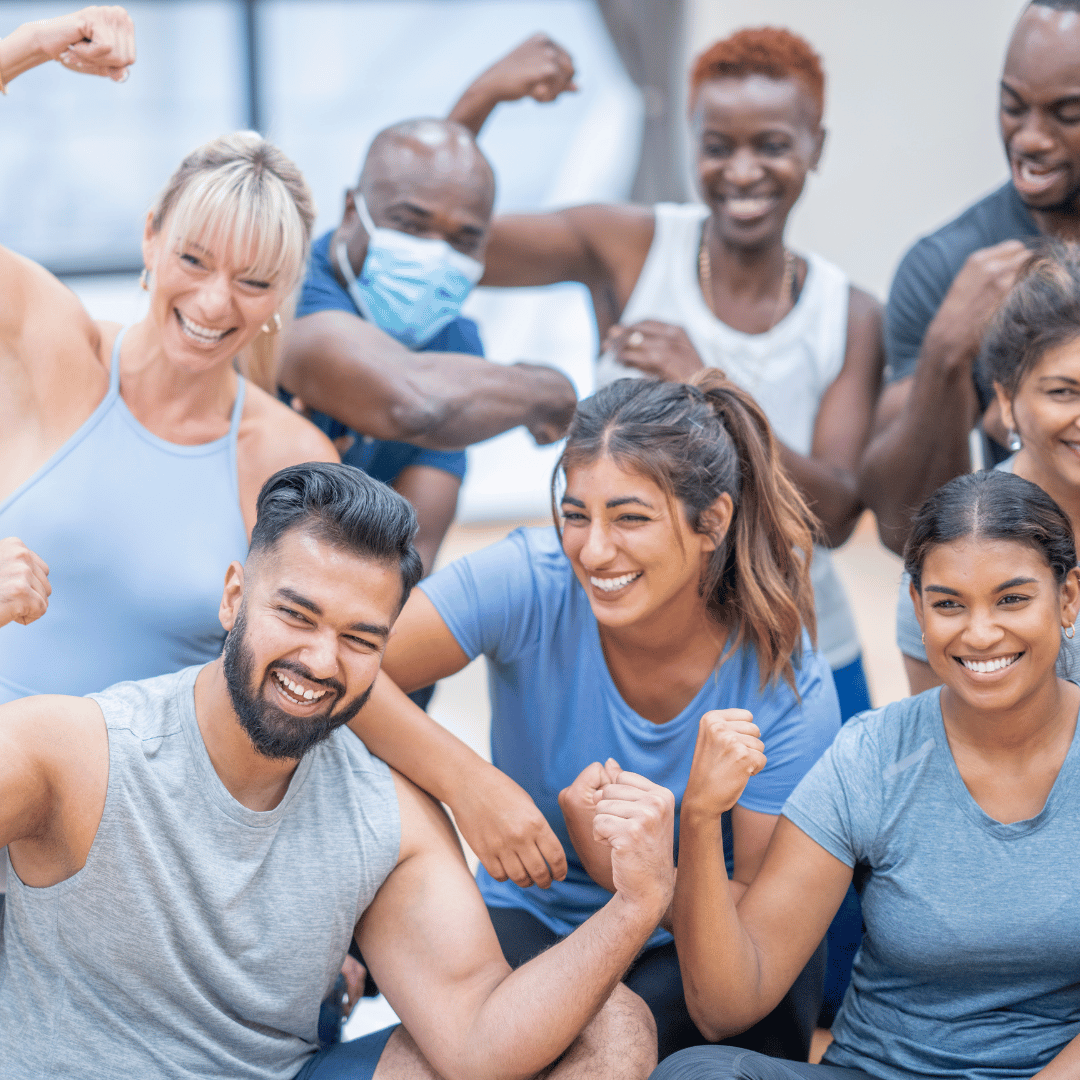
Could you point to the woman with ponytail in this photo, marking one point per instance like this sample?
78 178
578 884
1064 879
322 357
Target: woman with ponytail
674 583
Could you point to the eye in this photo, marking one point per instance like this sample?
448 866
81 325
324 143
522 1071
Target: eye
634 518
1063 393
573 517
362 643
715 148
945 605
190 259
262 286
1011 599
295 615
1068 115
775 148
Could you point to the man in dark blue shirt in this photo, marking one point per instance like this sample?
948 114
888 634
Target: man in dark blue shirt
950 283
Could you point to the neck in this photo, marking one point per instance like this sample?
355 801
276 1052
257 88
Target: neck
751 271
164 396
1061 224
1025 727
254 781
683 628
1066 495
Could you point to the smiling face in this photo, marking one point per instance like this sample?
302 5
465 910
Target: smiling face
992 615
635 559
757 138
307 629
1040 108
205 301
1046 413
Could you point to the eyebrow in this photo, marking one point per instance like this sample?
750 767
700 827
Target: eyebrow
611 503
1068 99
1060 378
302 601
1010 584
412 208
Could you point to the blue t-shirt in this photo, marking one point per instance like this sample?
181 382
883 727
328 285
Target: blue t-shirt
381 459
555 708
970 967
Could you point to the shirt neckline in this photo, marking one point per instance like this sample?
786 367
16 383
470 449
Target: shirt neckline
1059 790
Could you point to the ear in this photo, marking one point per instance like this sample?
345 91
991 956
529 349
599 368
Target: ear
1005 405
1070 598
716 521
350 216
819 147
916 599
150 241
232 596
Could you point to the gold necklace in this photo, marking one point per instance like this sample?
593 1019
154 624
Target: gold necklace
787 283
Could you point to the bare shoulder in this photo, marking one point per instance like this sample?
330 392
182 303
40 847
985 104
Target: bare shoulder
863 307
58 732
425 826
276 436
614 226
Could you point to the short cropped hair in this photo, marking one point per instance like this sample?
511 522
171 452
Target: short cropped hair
763 50
1057 5
344 507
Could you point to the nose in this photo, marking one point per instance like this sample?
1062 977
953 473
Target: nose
982 631
598 549
1033 137
215 296
319 654
744 168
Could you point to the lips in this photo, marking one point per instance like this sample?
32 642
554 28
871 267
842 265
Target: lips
1033 179
609 586
747 208
295 692
991 665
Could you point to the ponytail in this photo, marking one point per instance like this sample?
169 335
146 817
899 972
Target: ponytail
696 442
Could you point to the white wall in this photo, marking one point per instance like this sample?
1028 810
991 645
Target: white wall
911 112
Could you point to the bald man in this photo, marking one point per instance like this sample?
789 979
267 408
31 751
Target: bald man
379 348
950 282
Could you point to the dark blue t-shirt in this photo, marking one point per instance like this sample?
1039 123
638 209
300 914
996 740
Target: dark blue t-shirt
929 268
381 459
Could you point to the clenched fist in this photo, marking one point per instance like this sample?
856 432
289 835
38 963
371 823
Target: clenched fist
24 583
98 40
728 752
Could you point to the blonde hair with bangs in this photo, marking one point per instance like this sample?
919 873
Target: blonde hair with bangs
242 190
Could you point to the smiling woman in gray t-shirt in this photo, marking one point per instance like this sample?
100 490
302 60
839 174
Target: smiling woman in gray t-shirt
957 812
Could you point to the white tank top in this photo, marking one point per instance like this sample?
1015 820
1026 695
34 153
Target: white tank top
787 369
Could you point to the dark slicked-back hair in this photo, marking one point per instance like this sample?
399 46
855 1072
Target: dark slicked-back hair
343 507
991 506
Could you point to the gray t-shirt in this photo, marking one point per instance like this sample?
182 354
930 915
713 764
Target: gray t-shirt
970 966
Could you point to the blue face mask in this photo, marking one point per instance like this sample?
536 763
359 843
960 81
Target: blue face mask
409 286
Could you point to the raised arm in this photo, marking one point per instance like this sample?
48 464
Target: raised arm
94 41
496 816
924 420
538 68
339 364
738 962
24 583
431 947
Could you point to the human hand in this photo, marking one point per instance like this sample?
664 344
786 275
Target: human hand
636 818
97 40
355 975
578 805
656 348
975 294
24 583
554 402
506 830
728 752
538 68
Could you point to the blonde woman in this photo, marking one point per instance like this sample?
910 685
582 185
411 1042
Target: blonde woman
130 459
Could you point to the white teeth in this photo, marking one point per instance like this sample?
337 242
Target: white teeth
614 583
297 690
983 667
202 334
746 207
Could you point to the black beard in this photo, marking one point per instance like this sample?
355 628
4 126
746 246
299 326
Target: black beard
272 731
1069 205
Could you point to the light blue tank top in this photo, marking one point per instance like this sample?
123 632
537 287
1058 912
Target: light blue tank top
138 533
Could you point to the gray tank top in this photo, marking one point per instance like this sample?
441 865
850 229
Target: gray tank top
201 936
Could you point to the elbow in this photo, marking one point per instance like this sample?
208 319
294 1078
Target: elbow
712 1025
421 417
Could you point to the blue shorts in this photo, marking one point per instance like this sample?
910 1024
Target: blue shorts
354 1060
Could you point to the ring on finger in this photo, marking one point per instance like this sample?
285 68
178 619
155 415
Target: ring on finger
635 339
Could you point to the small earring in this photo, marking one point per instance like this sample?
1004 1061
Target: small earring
1070 631
922 637
1014 442
276 320
144 281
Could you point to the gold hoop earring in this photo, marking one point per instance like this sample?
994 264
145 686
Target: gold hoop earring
276 321
1070 631
144 280
922 637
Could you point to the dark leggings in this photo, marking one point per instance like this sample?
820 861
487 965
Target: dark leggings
655 977
730 1063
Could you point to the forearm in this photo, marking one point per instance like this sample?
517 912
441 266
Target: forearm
19 52
531 1017
397 730
720 966
473 108
924 446
833 494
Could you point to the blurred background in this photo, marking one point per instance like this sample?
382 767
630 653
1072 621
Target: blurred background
911 113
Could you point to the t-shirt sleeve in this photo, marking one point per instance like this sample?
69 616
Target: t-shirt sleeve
489 600
838 803
451 461
795 730
921 282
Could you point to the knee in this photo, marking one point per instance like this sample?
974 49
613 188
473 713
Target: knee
705 1063
623 1033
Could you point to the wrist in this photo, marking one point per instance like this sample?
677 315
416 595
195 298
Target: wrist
700 815
639 916
950 352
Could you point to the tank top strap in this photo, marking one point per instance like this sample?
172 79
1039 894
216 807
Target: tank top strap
114 363
238 408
